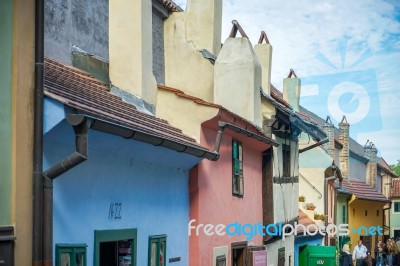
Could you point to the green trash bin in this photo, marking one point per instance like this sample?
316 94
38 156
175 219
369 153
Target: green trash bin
318 256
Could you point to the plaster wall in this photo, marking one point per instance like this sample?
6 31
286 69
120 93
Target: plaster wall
357 217
285 194
140 176
22 129
130 48
196 75
75 22
183 113
237 79
394 218
272 251
212 200
6 46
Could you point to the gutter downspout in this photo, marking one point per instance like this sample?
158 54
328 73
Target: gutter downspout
37 219
223 125
81 127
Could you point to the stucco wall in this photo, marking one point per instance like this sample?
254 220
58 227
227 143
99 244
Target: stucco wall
75 22
6 43
272 251
357 218
23 90
151 183
158 48
212 200
394 218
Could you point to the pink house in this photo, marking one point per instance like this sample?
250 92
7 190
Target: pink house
227 190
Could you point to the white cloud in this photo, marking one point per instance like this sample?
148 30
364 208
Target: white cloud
298 30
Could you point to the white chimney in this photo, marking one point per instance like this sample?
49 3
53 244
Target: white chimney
292 90
264 54
203 24
130 48
237 77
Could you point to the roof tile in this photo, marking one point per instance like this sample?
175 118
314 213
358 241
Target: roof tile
88 95
395 190
362 190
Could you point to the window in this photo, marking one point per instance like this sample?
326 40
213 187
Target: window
377 212
286 160
71 254
343 214
157 250
237 168
220 260
115 247
396 206
366 213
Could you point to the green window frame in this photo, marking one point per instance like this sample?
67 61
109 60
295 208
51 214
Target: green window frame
71 255
157 250
101 236
237 169
396 207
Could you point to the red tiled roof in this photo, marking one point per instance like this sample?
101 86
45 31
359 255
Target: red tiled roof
277 95
170 5
83 92
197 100
383 164
395 190
304 220
362 190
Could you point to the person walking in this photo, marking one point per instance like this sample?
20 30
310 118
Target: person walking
359 253
345 259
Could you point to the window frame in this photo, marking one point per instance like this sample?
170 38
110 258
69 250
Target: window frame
157 239
394 207
112 236
237 151
72 249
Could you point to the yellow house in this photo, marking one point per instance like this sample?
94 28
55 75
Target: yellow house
365 213
16 111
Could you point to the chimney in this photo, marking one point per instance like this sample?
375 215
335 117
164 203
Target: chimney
371 152
130 49
345 151
329 129
292 90
237 77
204 24
264 54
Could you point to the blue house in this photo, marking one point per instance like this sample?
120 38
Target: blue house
120 189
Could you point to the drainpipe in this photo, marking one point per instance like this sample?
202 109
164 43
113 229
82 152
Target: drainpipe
37 225
81 127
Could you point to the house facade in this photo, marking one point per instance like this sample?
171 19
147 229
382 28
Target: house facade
17 20
135 163
395 209
360 194
107 158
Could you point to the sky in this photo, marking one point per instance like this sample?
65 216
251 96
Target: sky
346 53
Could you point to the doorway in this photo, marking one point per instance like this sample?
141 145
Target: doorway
115 247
